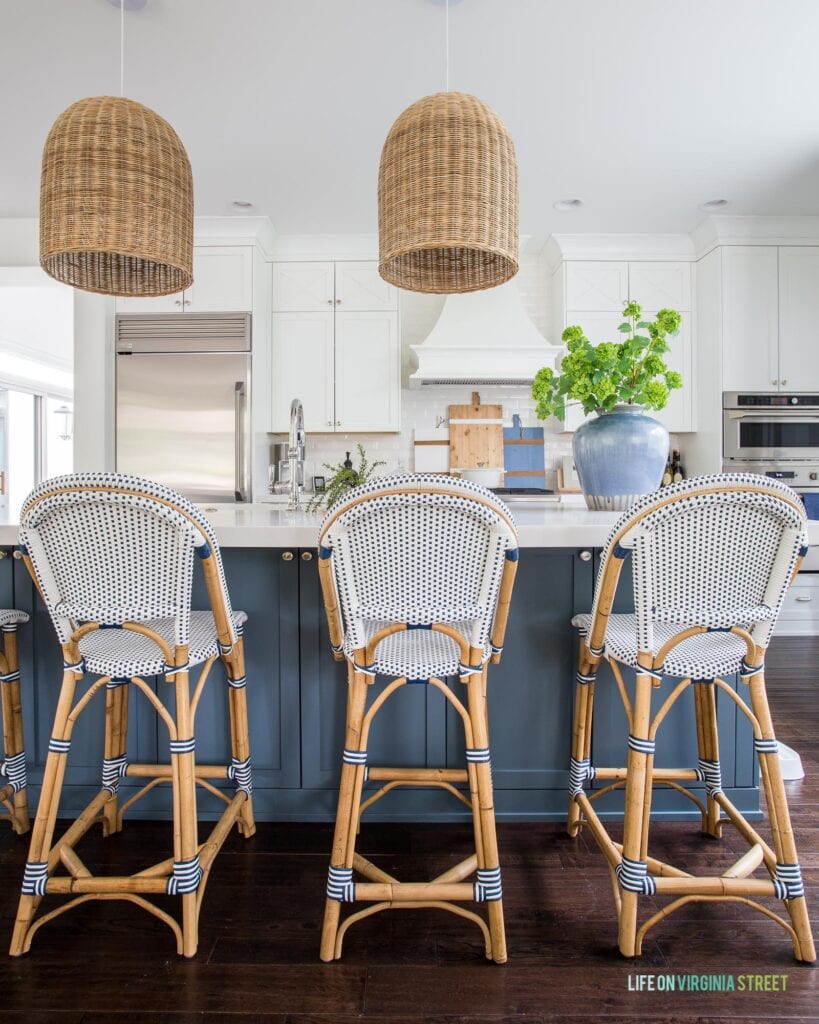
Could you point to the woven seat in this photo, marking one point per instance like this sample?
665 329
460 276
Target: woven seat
14 793
113 557
122 654
417 573
712 559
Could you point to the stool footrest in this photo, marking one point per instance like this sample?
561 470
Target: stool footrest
417 775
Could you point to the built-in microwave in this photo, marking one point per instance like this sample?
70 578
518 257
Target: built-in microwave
770 427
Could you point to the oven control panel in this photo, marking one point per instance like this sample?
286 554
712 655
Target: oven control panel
776 401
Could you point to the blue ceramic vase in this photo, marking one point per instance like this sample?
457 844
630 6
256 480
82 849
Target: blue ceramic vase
619 455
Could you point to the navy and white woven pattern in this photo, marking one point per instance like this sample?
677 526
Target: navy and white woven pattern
107 547
14 769
708 551
11 617
430 553
122 653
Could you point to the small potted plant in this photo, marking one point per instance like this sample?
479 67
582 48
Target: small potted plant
344 477
621 453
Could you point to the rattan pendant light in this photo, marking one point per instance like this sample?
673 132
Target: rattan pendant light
448 197
116 198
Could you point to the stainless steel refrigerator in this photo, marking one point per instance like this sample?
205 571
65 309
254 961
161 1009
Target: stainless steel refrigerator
183 417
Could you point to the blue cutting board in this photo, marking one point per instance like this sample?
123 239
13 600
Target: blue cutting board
523 460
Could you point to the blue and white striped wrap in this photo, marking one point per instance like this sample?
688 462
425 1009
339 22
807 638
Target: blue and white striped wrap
787 880
183 746
242 774
586 680
710 773
172 670
488 886
747 670
113 769
10 677
239 683
580 772
477 755
340 885
187 874
633 876
354 756
58 746
764 746
77 667
35 878
640 745
14 769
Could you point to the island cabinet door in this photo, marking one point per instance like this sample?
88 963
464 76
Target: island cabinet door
531 691
676 736
263 583
408 731
41 671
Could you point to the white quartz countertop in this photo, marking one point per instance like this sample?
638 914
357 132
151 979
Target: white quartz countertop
567 524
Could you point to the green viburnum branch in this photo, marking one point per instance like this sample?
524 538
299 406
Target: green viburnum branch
343 478
599 377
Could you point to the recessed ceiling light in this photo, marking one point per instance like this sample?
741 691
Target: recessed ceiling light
241 204
568 204
713 204
129 5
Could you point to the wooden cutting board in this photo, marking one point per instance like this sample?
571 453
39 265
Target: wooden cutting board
476 435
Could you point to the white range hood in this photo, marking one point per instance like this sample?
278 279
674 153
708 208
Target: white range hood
483 337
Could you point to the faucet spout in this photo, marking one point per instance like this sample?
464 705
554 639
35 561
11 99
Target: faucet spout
295 452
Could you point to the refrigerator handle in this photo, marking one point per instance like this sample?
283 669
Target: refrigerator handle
240 411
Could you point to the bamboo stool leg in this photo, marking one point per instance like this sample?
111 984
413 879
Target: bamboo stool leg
186 840
239 730
488 859
581 733
779 815
116 737
43 831
349 795
13 740
705 708
633 878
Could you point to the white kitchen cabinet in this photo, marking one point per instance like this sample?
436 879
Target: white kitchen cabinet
750 318
347 337
799 318
366 369
302 367
360 288
596 285
303 287
222 282
661 284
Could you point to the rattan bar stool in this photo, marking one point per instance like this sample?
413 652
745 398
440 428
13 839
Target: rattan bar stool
13 795
113 559
417 575
712 560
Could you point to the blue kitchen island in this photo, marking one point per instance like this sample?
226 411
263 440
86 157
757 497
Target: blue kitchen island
297 692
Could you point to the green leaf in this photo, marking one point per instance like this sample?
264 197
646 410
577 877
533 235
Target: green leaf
624 328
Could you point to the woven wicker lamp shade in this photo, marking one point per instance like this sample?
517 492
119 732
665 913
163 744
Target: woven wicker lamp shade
448 197
116 200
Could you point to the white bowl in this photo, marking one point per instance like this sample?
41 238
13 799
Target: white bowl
484 477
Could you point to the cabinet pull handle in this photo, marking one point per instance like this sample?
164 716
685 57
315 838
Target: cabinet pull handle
177 302
804 597
329 423
585 556
338 302
329 302
773 381
783 382
287 556
338 423
307 556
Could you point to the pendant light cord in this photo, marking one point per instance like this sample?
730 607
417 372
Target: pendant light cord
446 22
122 47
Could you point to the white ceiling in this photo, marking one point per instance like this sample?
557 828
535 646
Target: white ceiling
643 108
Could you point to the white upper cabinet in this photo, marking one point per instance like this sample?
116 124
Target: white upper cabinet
596 285
303 287
222 283
302 367
660 285
336 346
359 287
750 318
799 318
367 366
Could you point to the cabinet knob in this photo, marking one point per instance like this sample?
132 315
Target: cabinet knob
774 381
338 302
329 302
329 423
177 302
3 554
783 382
338 423
307 556
585 556
287 556
17 554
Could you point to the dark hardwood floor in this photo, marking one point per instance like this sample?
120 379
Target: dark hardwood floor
110 963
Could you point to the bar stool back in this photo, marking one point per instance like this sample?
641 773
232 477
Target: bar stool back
712 560
14 795
417 574
113 559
